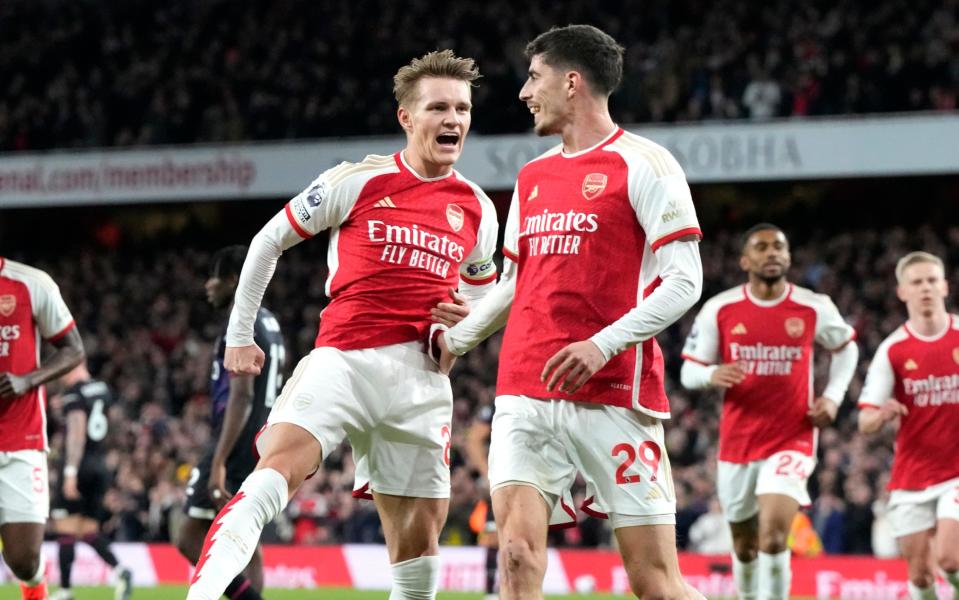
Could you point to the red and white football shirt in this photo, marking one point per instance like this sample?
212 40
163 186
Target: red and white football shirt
397 243
583 229
31 310
773 341
923 374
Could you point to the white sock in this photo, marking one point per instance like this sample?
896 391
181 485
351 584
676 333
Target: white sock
236 531
415 579
41 573
744 574
775 576
926 593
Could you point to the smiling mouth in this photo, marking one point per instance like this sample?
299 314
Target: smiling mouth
448 139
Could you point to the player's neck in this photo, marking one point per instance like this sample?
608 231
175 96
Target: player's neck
423 168
929 326
764 290
586 129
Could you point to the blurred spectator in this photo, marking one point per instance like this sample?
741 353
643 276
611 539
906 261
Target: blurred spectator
165 72
710 533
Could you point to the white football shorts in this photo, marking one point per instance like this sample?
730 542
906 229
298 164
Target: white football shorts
24 487
739 485
619 452
914 511
391 402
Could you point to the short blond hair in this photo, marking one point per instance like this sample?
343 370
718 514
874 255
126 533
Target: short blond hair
439 63
914 258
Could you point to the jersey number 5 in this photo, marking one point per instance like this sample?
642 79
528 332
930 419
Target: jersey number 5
649 454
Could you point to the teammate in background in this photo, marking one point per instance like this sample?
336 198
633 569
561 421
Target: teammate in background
84 480
405 230
31 310
240 405
602 248
755 342
914 377
477 455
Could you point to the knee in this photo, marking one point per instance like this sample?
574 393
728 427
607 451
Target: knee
949 564
773 541
656 587
920 573
187 547
23 565
746 550
518 557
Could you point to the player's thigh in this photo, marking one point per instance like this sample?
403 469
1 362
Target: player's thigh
290 450
24 488
736 490
311 415
527 449
781 489
621 454
522 514
649 557
916 548
21 541
947 530
411 526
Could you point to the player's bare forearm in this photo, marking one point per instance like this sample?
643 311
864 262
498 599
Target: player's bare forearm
823 412
68 354
76 438
870 421
238 409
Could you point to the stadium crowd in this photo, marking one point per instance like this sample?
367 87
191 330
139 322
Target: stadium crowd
149 333
158 72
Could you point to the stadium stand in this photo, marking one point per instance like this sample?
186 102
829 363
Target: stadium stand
153 72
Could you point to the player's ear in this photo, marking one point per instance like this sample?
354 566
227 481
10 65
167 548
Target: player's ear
744 263
574 83
405 118
900 293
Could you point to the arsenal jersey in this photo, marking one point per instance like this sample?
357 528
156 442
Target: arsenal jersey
583 229
31 310
773 342
398 242
923 374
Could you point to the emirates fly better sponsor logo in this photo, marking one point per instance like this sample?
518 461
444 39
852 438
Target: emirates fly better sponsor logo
415 246
933 390
763 359
557 233
8 333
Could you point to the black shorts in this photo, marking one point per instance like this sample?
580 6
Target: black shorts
198 504
93 481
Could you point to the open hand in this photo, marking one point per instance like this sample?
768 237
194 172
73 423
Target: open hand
572 366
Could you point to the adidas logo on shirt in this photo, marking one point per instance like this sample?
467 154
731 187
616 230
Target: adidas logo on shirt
385 203
739 329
